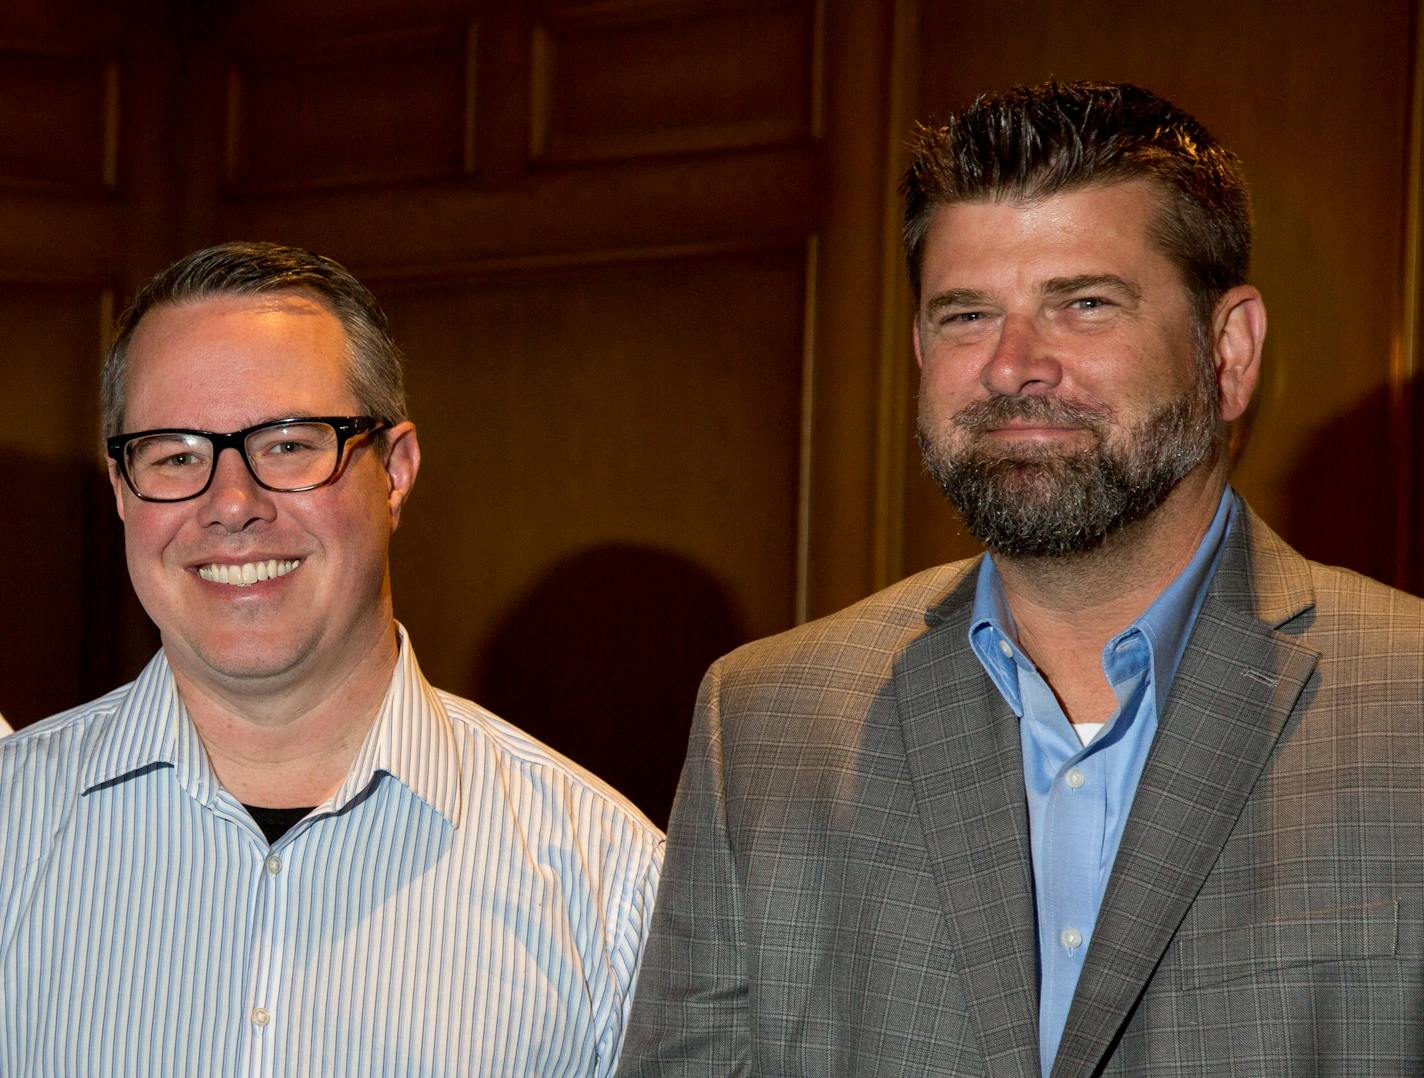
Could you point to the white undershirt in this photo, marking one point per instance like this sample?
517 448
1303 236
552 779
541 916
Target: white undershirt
1086 731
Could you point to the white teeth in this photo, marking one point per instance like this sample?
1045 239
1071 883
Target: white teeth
248 573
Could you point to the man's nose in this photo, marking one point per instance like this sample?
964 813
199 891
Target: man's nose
1023 360
234 500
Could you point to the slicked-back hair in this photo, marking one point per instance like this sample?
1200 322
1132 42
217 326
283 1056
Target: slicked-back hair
373 366
1030 142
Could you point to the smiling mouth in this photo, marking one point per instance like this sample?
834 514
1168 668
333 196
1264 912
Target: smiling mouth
248 573
1033 428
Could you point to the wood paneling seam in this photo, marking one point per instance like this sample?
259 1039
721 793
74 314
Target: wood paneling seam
1404 360
808 404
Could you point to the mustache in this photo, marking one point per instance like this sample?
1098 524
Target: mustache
990 414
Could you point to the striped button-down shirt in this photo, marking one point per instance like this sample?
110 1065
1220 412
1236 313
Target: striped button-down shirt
467 903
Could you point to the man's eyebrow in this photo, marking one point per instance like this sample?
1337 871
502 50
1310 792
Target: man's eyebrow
1087 282
956 297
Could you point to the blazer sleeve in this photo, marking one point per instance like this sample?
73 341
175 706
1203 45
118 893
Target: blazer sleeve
690 1013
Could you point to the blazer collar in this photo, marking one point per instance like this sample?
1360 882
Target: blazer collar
966 767
1233 695
1261 576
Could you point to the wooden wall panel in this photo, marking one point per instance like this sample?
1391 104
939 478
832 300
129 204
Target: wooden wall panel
1406 413
608 498
557 215
57 549
365 111
854 304
615 81
44 95
71 99
1317 107
64 238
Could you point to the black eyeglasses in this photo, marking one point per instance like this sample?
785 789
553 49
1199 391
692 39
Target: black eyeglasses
283 455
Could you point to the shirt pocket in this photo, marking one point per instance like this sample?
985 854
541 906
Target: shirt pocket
1338 934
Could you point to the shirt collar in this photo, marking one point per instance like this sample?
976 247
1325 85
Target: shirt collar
150 728
1166 624
412 740
994 636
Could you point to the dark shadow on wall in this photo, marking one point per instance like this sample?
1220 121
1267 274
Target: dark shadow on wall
1342 498
72 628
602 658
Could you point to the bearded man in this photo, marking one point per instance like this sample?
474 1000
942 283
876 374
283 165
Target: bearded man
1140 791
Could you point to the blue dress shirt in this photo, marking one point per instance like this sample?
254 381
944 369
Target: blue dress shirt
1079 796
467 903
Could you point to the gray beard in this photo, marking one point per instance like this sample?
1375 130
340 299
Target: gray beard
1037 500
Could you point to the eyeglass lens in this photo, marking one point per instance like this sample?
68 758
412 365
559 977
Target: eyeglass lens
284 457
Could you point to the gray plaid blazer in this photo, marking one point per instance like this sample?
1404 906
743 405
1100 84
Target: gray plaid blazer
848 886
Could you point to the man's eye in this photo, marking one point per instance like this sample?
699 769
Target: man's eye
169 454
963 318
1088 303
278 449
175 460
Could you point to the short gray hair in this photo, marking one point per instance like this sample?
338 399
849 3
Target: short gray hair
373 369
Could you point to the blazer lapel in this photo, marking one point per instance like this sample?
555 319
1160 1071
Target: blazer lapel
1233 693
965 764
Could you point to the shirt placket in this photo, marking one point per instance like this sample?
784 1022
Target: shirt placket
264 1007
1074 819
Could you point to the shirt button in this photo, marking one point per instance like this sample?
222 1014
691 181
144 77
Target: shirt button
1070 938
1006 648
1075 780
260 1017
274 865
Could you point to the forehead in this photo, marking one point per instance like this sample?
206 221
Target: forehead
229 361
1099 229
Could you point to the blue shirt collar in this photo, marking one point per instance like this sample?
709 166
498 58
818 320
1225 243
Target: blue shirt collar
1166 625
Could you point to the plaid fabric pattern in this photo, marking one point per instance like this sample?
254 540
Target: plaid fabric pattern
847 888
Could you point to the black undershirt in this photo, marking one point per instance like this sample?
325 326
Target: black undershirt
276 822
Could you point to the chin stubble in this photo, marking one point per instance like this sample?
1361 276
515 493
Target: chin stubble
1040 500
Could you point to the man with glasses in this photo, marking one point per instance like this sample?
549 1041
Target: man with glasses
279 849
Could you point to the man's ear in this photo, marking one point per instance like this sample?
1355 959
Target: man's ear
1238 333
915 333
117 482
402 464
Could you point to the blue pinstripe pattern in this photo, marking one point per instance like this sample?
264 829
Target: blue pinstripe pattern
468 902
